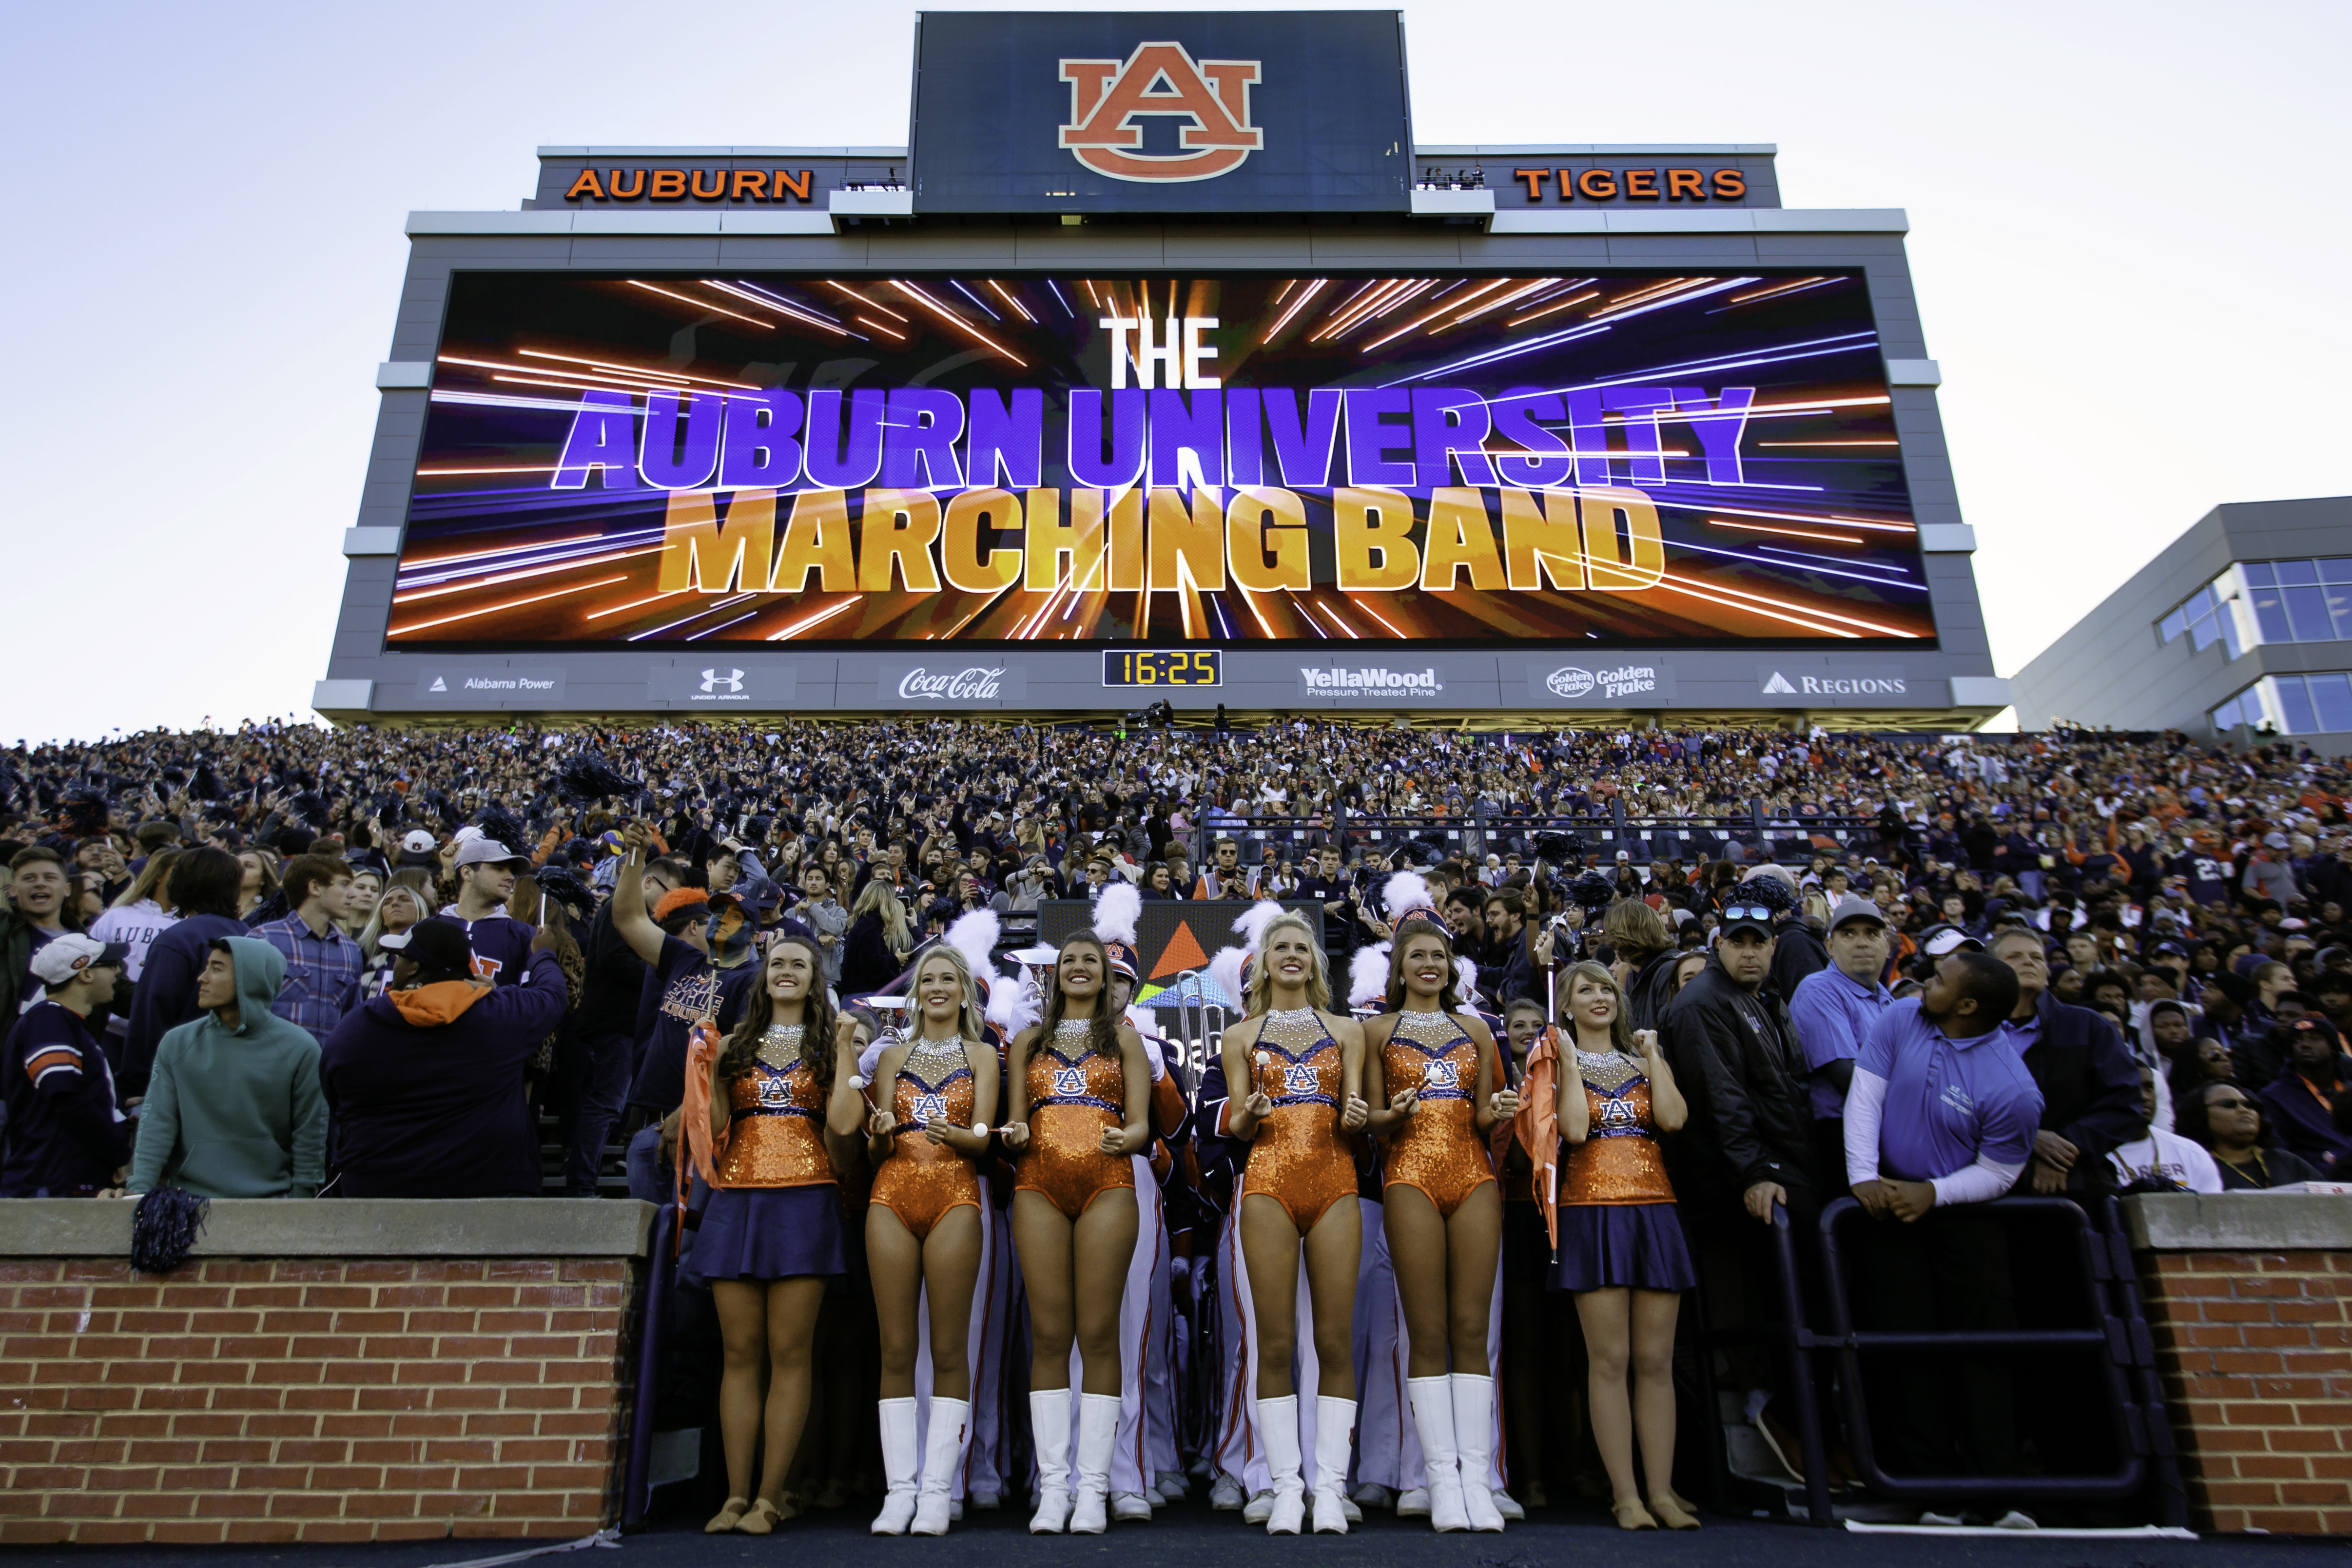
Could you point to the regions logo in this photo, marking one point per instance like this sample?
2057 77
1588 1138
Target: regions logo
1777 685
1371 683
964 686
1108 97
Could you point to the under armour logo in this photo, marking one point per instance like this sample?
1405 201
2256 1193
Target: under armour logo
712 680
1108 95
1069 1081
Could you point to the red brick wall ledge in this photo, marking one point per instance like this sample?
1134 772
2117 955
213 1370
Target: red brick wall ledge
2249 1297
367 1370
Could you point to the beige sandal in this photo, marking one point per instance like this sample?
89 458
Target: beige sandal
1672 1511
762 1518
728 1517
1632 1515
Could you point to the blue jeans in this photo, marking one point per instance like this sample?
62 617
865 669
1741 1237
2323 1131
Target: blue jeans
590 1103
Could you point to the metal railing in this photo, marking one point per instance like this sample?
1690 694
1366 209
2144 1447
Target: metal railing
1746 834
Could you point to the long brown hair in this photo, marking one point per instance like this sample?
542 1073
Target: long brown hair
1620 1022
1449 999
817 1019
1104 1038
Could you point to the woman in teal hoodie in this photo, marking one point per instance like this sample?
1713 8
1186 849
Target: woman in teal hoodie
233 1106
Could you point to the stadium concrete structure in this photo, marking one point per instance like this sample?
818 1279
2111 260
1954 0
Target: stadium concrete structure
2240 630
1272 172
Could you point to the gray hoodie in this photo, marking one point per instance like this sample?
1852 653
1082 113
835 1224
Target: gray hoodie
236 1113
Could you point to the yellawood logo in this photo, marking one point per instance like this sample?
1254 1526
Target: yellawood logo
1107 98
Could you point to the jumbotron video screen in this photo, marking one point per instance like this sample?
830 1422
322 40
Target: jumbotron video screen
1242 460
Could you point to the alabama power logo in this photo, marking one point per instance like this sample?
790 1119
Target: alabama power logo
1108 97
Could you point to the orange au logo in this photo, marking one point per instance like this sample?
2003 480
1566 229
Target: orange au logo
1108 97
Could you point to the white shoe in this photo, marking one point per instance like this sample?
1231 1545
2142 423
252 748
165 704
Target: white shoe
1130 1507
1170 1485
899 1462
1941 1521
1098 1430
942 1457
1277 1423
1347 1506
1049 1430
955 1511
1413 1503
1432 1420
1372 1494
1225 1496
1335 1440
1474 1442
982 1500
2015 1520
1508 1507
1259 1508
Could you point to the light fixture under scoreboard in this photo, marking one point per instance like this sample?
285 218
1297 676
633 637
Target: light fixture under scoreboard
1163 667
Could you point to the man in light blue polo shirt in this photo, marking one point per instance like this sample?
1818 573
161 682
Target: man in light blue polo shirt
1834 1011
1941 1117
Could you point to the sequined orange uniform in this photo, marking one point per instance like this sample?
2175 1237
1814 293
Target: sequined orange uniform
1619 1160
1074 1092
921 1181
1438 1150
775 1129
1299 1158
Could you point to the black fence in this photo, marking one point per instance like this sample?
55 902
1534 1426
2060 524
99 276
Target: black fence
1750 836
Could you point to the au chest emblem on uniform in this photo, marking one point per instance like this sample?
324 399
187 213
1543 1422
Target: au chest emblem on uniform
1069 1081
774 1093
930 1107
1615 1113
1298 1079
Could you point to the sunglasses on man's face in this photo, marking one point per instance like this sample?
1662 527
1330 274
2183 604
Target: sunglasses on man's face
1749 912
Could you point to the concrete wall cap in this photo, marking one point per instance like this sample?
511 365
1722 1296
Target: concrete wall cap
2240 1221
349 1228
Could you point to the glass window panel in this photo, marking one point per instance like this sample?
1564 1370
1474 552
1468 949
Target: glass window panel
2200 603
2294 705
2335 568
2339 605
2258 571
2295 572
2203 633
2269 614
2307 611
2227 619
2331 698
2171 626
2226 716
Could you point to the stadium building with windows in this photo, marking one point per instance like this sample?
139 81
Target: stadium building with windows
1162 363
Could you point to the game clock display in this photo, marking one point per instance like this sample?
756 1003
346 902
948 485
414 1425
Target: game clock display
1149 667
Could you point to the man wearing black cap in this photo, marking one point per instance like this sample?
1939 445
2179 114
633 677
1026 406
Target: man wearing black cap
425 1082
1736 1055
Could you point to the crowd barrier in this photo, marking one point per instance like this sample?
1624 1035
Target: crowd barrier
1748 836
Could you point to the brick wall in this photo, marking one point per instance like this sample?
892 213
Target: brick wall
2255 1349
339 1399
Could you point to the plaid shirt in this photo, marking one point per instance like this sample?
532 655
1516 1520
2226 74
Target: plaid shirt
323 974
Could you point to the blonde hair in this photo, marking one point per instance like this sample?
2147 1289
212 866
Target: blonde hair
881 897
968 1022
1261 986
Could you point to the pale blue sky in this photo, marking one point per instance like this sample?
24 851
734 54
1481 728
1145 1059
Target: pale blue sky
2128 224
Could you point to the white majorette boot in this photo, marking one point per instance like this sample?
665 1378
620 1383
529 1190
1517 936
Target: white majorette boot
942 1451
1278 1425
1474 1445
1049 1433
1098 1430
1334 1432
1432 1420
897 1467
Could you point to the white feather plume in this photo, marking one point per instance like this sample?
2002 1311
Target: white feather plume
1465 978
974 934
1368 975
1225 969
1117 907
1251 924
1012 1004
1406 890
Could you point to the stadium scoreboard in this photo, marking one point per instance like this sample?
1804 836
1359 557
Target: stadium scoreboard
970 424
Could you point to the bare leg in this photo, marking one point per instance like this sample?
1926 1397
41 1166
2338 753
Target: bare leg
1474 1240
896 1261
1041 1233
792 1333
1605 1315
1103 1244
742 1306
1334 1249
1418 1244
1270 1253
951 1270
1653 1313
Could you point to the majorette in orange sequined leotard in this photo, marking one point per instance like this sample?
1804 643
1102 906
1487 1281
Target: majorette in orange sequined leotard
1300 1157
1619 1160
1438 1150
921 1181
1074 1091
776 1122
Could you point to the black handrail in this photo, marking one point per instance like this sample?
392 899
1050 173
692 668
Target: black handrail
661 1277
1792 1338
2110 1340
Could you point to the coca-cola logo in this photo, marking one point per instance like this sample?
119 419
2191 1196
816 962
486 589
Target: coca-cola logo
974 684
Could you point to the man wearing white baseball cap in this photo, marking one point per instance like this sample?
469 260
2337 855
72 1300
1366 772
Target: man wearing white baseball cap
487 870
66 1139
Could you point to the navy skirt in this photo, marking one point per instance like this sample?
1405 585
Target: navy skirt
1635 1246
771 1233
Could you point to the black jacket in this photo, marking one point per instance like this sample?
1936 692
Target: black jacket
1652 991
1737 1060
1797 951
2089 1080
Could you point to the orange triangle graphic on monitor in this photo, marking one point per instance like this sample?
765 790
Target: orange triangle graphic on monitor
1182 952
